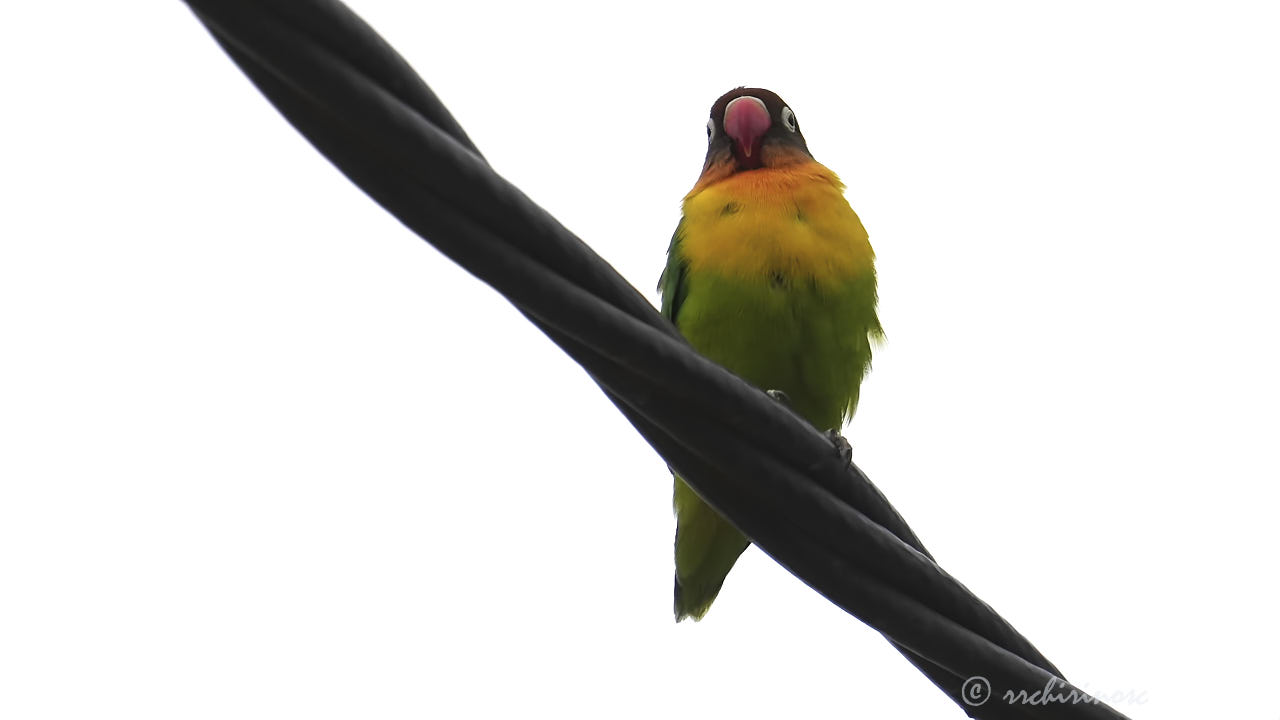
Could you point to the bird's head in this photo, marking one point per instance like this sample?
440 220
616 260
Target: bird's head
749 129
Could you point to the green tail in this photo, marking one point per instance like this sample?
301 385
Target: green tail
707 546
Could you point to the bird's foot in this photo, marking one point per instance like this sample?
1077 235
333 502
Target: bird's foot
842 446
780 397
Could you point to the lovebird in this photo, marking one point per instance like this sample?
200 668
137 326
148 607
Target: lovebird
770 274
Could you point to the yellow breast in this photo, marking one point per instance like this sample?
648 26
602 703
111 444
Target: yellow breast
793 220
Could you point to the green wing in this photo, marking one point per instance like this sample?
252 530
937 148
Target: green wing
671 284
706 544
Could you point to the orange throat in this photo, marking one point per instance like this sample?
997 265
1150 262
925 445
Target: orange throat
789 218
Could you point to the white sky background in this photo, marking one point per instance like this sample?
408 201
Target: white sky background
264 453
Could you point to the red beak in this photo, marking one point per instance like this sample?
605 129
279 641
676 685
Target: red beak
746 120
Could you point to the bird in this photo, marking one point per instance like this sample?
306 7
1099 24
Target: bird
771 274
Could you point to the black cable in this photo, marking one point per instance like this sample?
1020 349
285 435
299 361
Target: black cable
362 106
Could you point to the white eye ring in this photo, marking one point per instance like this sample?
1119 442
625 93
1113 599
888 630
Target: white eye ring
789 119
711 130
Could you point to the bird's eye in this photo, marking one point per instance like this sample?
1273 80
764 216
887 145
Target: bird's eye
711 130
789 119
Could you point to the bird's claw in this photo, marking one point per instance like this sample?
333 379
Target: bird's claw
842 446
